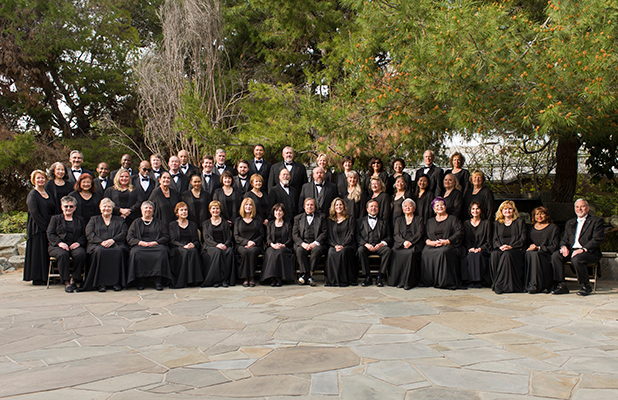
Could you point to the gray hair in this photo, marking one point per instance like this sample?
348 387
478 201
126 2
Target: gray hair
68 199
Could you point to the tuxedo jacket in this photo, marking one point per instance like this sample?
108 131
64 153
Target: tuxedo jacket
136 180
182 184
436 178
298 175
100 188
156 175
239 187
228 167
278 195
192 170
323 200
319 229
364 233
71 177
590 238
264 172
213 185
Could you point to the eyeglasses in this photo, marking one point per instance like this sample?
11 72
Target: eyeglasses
68 206
145 169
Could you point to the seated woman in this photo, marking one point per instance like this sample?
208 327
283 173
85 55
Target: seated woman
184 249
67 242
164 198
148 238
507 257
543 239
58 185
227 197
461 175
248 236
353 196
217 252
279 258
124 196
481 194
453 197
409 234
259 198
423 198
87 197
477 242
107 248
341 266
197 200
440 257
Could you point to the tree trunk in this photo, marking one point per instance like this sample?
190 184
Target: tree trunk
565 183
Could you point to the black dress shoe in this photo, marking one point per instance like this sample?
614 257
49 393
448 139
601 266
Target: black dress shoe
117 288
367 282
585 290
158 286
141 287
379 282
561 289
70 288
310 281
224 284
400 286
102 289
273 282
406 287
354 283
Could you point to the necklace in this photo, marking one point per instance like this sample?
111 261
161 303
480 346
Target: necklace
147 223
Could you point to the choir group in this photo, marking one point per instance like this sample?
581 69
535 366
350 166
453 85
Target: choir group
217 225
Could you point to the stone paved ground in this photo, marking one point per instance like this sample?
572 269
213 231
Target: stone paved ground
309 343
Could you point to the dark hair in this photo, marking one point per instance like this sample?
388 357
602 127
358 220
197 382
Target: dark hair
347 158
476 203
225 173
543 210
278 206
398 159
374 160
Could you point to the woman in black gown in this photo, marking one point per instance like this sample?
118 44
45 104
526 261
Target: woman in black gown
259 198
453 196
398 166
402 192
409 232
481 194
217 253
477 242
423 197
67 242
87 197
376 170
347 162
279 258
543 239
124 196
248 232
341 266
197 201
377 193
41 207
228 197
461 175
322 161
507 257
164 199
440 257
353 196
108 250
58 185
148 238
185 259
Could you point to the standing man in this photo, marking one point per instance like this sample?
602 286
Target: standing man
298 172
156 162
285 194
76 158
180 182
125 162
210 180
309 234
241 181
373 237
143 182
434 173
103 180
221 164
185 167
260 166
323 192
580 244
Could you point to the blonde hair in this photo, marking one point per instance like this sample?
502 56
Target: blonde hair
242 212
355 194
117 180
500 216
332 214
33 175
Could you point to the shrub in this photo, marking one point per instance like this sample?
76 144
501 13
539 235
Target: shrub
13 222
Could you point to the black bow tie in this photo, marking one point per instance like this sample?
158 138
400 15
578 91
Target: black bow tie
145 179
77 170
309 215
288 163
243 179
286 186
258 161
102 179
319 184
174 175
373 218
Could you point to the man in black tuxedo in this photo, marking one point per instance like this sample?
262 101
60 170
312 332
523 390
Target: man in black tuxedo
102 181
298 172
76 158
260 166
210 180
285 194
323 192
309 234
126 162
185 167
241 181
180 182
221 163
373 237
581 244
434 173
156 163
143 182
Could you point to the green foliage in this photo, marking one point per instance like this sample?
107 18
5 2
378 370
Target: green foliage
13 222
604 197
18 149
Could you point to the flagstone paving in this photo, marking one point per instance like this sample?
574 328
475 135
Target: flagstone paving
312 343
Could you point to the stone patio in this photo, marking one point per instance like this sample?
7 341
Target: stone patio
302 342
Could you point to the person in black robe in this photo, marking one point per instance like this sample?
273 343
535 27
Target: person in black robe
58 185
377 193
543 241
341 268
322 161
462 175
108 250
144 182
440 257
434 174
217 251
164 199
67 243
376 170
409 232
228 197
279 259
507 257
423 197
477 243
402 192
248 234
453 198
320 190
124 196
398 166
347 162
262 203
298 173
353 196
310 240
149 256
185 258
197 200
87 197
242 181
41 207
481 194
285 194
373 237
260 166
